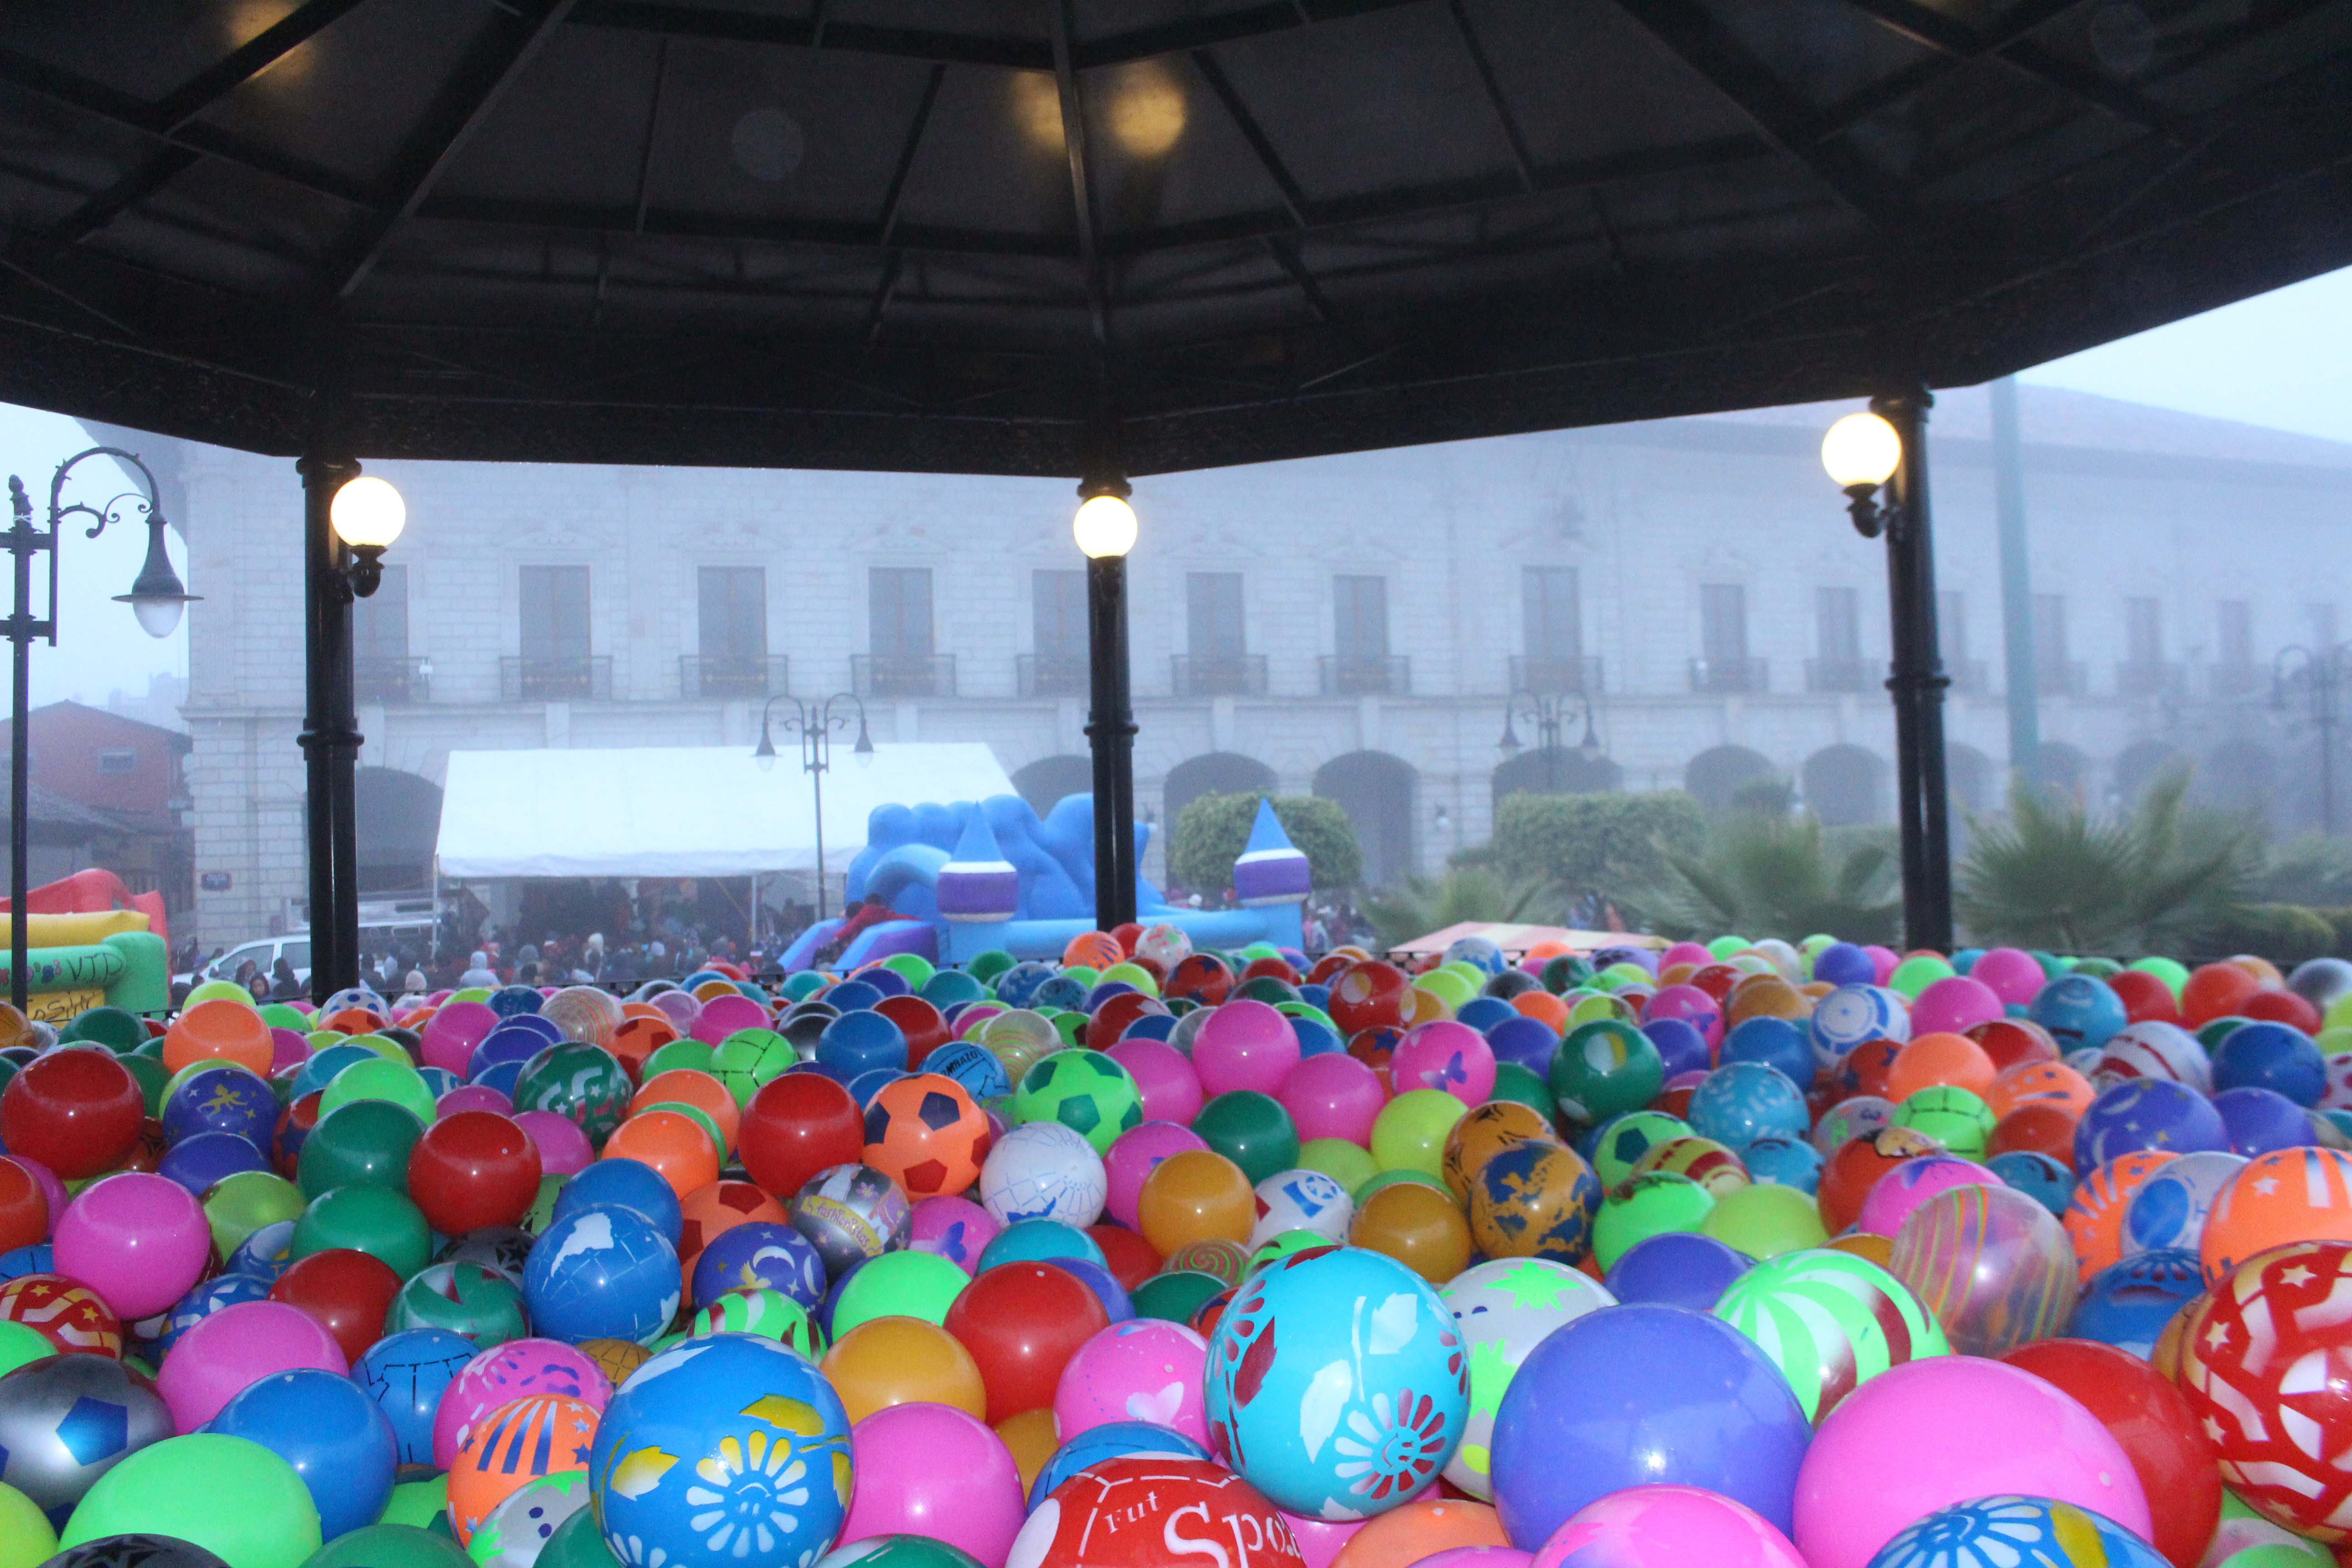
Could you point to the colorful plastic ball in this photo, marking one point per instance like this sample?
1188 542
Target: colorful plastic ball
2273 1056
1244 1044
227 1496
1301 1200
2289 1196
1193 1195
1830 1322
349 1292
1679 1268
602 1273
377 1221
365 1143
1619 1145
1998 1430
1122 1512
894 1360
1955 1117
1991 1264
516 1444
2078 1011
2049 1182
68 1314
335 1438
471 1299
1783 1162
2015 1530
1253 1132
66 1420
1644 1526
1086 1091
497 1377
2170 1208
849 1214
1141 1370
733 1426
1775 1042
935 1472
759 1255
238 1346
2146 1113
1391 1428
771 1314
1647 1205
1446 1056
139 1240
75 1111
206 1298
1502 1310
625 1183
1043 1169
1764 1220
1899 1193
1111 1440
1022 1323
1417 1225
1745 1101
405 1374
2129 1304
1605 1068
519 1529
1535 1200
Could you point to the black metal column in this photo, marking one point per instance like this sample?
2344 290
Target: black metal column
1918 682
1111 737
22 543
330 738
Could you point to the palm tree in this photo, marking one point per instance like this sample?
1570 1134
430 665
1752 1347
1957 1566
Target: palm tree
1771 874
1419 905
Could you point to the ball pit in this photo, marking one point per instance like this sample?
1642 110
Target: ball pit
1501 1262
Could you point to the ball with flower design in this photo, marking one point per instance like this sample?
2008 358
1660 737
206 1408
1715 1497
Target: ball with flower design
723 1450
1337 1382
2016 1532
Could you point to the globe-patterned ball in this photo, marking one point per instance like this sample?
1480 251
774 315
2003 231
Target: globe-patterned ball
1535 1200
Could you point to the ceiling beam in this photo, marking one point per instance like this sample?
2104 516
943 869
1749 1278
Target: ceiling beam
1073 143
893 197
2014 49
249 60
463 105
1503 115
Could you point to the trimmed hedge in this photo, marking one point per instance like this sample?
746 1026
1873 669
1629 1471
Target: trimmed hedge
1607 843
1215 829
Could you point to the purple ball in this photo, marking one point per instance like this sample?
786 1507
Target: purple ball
1842 963
2260 1119
1680 1044
1530 1042
2146 1113
1680 1269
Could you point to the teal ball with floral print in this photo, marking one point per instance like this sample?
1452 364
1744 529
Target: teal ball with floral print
2016 1532
1337 1383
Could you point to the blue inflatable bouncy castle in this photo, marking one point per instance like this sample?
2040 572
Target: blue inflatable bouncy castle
972 875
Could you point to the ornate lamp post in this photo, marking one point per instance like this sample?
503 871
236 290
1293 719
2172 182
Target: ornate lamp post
1105 529
815 724
1550 715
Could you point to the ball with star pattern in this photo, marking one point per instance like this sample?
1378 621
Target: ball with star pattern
1502 1309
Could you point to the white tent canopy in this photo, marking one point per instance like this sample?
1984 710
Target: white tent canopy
679 811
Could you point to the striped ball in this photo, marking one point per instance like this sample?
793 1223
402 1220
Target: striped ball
1831 1321
771 1314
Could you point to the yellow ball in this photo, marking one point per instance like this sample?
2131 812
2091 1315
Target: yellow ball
1766 1220
1409 1134
25 1538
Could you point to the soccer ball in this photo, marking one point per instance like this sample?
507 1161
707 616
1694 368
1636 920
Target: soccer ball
1086 1091
925 1133
1043 1169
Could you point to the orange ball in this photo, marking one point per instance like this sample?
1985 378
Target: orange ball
2266 974
903 1361
2302 1194
711 1211
2215 991
1031 1438
351 1021
1092 950
1403 1536
1879 1249
639 1034
1764 996
2040 1083
1418 1007
2044 1128
1486 1131
925 1133
2094 1216
1939 1060
523 1440
1856 1166
1195 1196
687 1086
1544 1007
1864 1068
1419 1226
673 1143
218 1030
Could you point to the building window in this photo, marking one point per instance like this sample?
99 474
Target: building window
1967 675
2052 671
1837 642
1361 664
1723 665
380 622
1552 613
1057 622
1217 662
731 639
556 665
2142 631
900 660
118 762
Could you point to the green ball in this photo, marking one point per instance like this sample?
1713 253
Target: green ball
2172 972
913 968
1953 1116
1567 970
1409 1134
118 1029
1283 1245
390 1546
25 1537
772 1315
1605 1068
1267 988
685 1053
1724 946
1830 1320
238 1206
2096 968
1072 1027
470 1300
373 1220
2210 1035
381 1078
1350 1164
584 1084
1522 1084
950 986
542 1207
234 1497
151 1076
1175 1298
904 1284
364 1144
1087 1092
1765 1220
901 1551
1650 1205
1914 975
987 964
747 1059
1253 1131
1620 1143
20 1346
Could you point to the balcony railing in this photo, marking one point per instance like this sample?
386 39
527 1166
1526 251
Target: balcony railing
2148 678
709 676
902 675
1729 677
2239 679
2068 677
1970 676
531 679
1390 674
395 682
1051 674
1551 677
1235 675
1857 675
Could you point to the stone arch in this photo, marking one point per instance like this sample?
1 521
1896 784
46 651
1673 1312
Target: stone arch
1971 777
1716 772
398 822
1211 772
2141 764
2238 775
1375 790
1046 781
1845 785
1556 770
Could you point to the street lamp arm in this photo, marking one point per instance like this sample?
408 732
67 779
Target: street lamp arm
59 511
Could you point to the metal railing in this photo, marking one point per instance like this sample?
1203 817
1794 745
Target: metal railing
1389 675
1857 675
395 682
705 676
2069 678
1051 674
1552 677
901 675
1237 675
2149 677
1729 677
529 679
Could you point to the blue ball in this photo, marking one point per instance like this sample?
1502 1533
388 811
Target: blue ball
206 1298
1742 1101
1677 1269
1316 997
2172 1205
2146 1113
1038 1241
871 1082
2276 1056
852 996
2080 1012
501 1076
406 1374
856 1043
1064 991
1681 1046
1639 1395
1094 1277
889 982
602 1273
1483 1012
549 1031
2037 1176
266 1254
1017 986
699 1449
2260 1119
1313 1039
1785 1162
1478 951
1531 1042
516 1001
508 1043
1842 963
2015 1530
631 1184
2127 1304
38 1259
1111 1440
759 1255
981 1075
1965 959
1160 1025
438 1081
1775 1042
198 1161
333 1434
221 1099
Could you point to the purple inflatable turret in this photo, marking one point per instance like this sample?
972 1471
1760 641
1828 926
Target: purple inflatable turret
978 884
1271 870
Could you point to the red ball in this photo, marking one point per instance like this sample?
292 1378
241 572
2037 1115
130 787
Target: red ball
472 1169
2146 999
2283 1007
1866 1068
1270 968
1129 1256
1021 1322
2216 991
1200 977
1368 996
347 1290
24 1208
925 1029
1127 933
65 1313
2009 1041
797 1125
1135 1512
2176 1462
75 1111
1111 1019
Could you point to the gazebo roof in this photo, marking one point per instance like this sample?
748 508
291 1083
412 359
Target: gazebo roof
960 234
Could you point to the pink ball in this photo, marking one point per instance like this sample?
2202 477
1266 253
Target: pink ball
237 1347
958 1229
1896 1194
931 1469
1335 1096
503 1373
968 1022
1320 1540
1685 952
1665 1526
1882 964
1144 1368
138 1240
287 1048
475 1097
1133 1155
2010 973
449 1036
724 1016
1928 1434
1448 1056
51 1188
1171 1089
563 1147
1478 1557
1692 1006
1955 1004
1244 1044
